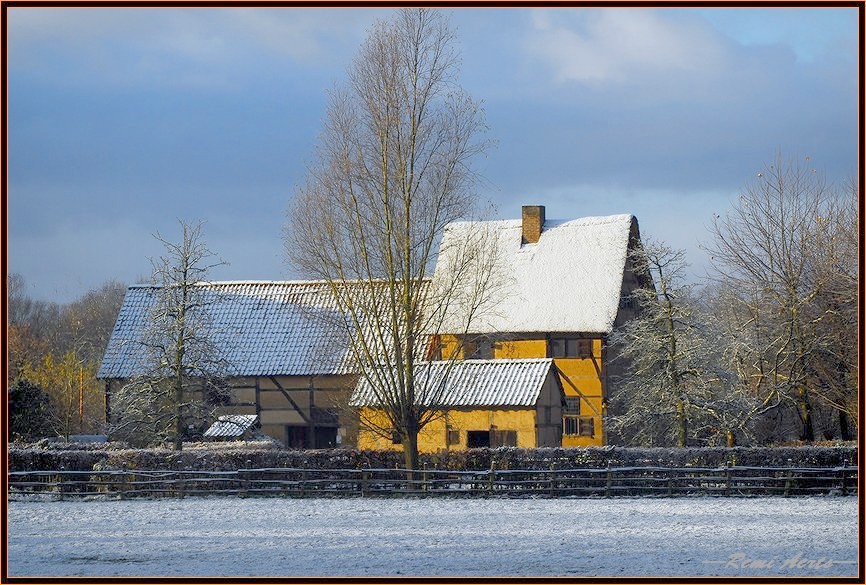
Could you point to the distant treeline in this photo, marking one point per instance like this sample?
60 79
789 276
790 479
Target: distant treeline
54 352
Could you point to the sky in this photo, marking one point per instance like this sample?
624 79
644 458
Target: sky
124 120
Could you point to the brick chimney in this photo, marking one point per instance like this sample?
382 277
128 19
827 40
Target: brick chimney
533 222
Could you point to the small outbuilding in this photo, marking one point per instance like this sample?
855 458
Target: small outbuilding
232 427
484 403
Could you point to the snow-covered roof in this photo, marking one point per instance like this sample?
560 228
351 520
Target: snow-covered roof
569 281
474 383
231 425
260 328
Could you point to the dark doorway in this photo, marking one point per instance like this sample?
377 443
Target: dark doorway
477 439
326 437
296 436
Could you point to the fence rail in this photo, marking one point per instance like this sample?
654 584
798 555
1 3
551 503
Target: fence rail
289 482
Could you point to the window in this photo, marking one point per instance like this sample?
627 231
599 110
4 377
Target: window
583 426
479 348
503 438
570 347
586 426
452 436
581 347
572 405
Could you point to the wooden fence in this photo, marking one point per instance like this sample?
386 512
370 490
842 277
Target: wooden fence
606 482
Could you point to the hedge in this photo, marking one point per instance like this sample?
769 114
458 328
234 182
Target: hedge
227 457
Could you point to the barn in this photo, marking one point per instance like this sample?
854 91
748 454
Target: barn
287 366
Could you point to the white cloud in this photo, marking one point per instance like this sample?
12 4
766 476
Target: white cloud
615 45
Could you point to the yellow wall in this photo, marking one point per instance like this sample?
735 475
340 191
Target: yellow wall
450 346
520 348
433 436
508 349
582 377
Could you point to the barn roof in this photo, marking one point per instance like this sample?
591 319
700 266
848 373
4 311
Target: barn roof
569 281
475 383
261 328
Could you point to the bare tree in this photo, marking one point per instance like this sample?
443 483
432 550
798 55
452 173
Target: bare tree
183 374
88 321
683 381
768 251
730 411
833 262
393 168
664 349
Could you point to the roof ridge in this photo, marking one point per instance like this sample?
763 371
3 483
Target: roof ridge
587 219
301 282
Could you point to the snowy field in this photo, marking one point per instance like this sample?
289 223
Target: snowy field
434 537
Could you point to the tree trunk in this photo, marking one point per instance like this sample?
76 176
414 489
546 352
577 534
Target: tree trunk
844 427
178 414
681 424
805 406
410 454
732 438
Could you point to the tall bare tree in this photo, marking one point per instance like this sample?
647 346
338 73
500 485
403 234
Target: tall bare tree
393 168
770 252
183 373
665 349
833 261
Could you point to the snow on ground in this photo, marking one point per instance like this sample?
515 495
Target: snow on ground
434 537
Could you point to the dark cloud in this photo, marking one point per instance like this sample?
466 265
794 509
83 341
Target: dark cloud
123 120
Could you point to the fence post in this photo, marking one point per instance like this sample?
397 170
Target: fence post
843 477
788 480
60 483
181 484
365 477
122 476
491 476
609 479
670 473
728 478
552 481
245 482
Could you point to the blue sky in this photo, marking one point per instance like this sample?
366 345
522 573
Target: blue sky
123 120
